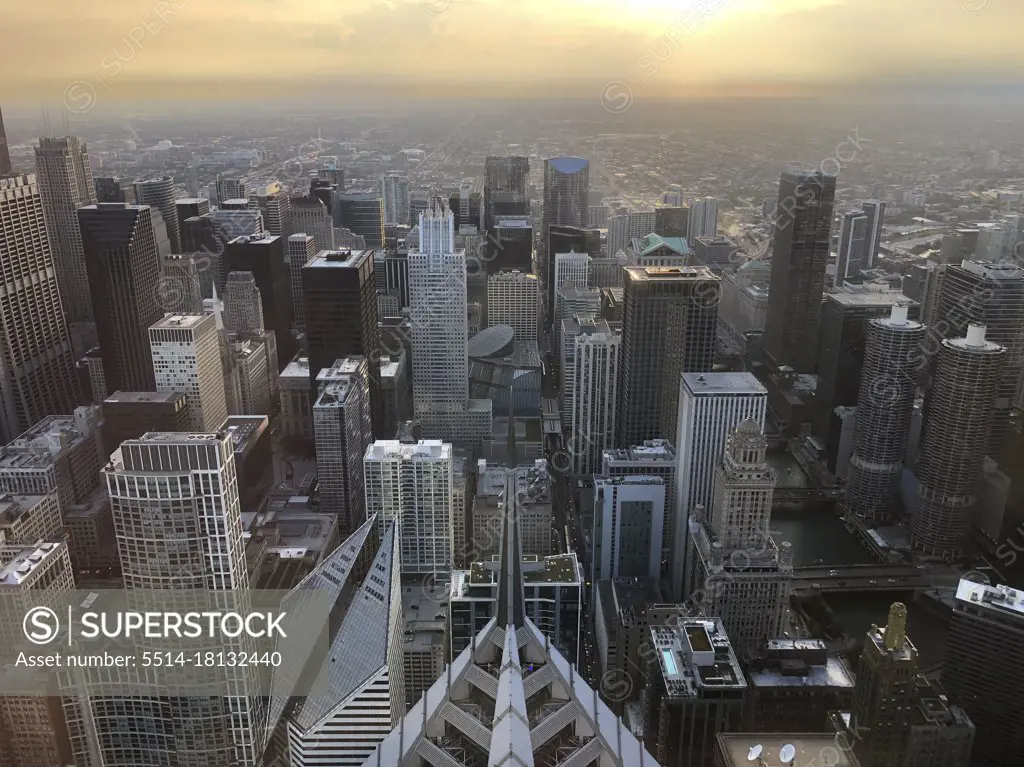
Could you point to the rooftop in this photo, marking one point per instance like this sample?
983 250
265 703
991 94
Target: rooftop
21 561
810 750
696 656
179 321
723 383
999 599
12 507
335 259
557 568
653 450
245 429
871 298
426 615
38 446
669 273
297 368
335 393
425 448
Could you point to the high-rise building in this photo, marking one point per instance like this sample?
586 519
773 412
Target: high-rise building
37 361
243 304
803 235
506 188
593 394
899 718
159 193
109 189
230 189
265 256
124 274
363 214
740 573
843 330
571 268
190 207
653 458
366 694
437 302
394 190
311 217
342 430
180 289
875 211
5 154
629 520
711 407
585 732
65 185
716 252
174 499
854 241
703 220
276 209
672 222
510 244
668 328
301 248
695 690
566 199
625 228
885 404
983 293
130 414
982 672
412 483
957 415
186 358
513 299
340 298
597 216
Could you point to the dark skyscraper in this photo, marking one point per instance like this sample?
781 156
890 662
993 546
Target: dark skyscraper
362 213
159 192
5 155
130 414
803 230
109 189
669 318
37 364
506 184
340 296
265 256
671 222
510 245
566 201
124 273
187 208
853 246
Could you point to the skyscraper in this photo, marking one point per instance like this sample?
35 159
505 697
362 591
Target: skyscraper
5 155
566 199
884 407
803 232
740 572
629 520
671 222
276 209
669 320
265 257
180 287
159 192
130 414
513 298
593 396
506 188
413 485
992 295
394 190
437 303
124 273
957 415
37 362
875 211
703 220
363 214
625 228
186 358
854 241
340 298
711 407
301 248
65 185
982 673
342 431
243 305
311 217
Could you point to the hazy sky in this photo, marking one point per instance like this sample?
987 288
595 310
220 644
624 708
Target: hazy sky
125 49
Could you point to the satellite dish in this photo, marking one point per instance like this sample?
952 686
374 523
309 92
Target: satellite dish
788 753
755 752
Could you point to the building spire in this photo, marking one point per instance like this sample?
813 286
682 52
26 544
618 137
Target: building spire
5 155
896 627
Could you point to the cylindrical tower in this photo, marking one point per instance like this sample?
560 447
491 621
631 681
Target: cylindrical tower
957 418
884 407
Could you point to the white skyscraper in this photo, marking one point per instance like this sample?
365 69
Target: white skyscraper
342 429
437 305
394 190
711 406
186 358
622 229
629 520
513 298
65 185
703 220
412 483
739 573
594 394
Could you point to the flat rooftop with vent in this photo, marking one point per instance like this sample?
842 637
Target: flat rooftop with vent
697 659
766 750
999 599
20 562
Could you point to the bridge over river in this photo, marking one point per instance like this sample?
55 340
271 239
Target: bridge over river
873 577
